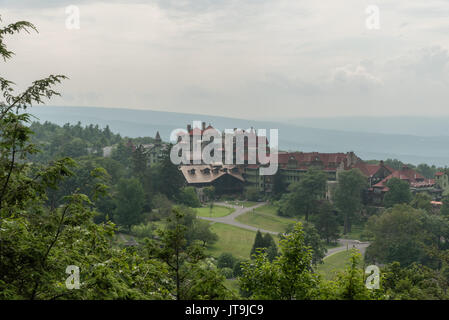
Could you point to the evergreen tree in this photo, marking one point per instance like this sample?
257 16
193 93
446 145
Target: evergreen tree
170 180
259 243
129 203
264 243
348 195
326 222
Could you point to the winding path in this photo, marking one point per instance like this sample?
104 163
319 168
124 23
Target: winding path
345 244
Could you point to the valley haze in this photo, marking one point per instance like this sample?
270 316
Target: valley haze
380 138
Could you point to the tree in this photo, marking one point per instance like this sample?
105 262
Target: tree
445 207
139 162
123 154
75 148
192 275
130 199
37 242
399 235
264 243
350 284
252 194
189 197
415 282
196 230
226 260
200 230
259 243
162 206
326 222
311 239
422 201
270 246
170 180
289 276
348 195
399 192
305 194
209 192
427 171
279 186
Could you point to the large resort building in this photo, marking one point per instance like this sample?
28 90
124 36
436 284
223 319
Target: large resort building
232 178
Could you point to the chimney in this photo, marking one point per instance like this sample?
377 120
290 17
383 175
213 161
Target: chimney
203 126
189 128
381 163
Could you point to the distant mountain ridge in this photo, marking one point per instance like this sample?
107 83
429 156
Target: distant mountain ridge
134 123
427 126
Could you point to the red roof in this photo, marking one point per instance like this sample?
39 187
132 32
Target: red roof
370 170
367 169
415 179
329 161
439 173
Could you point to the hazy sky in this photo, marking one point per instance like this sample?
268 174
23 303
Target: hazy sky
258 59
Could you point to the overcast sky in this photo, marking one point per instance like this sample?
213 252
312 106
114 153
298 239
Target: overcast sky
257 59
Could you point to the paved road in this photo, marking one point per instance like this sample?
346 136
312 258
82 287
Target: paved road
230 219
239 210
348 244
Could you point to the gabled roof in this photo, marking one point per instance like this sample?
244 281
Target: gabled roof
196 174
370 170
415 179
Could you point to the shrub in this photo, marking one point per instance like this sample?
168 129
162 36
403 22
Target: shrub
226 260
142 230
227 273
237 269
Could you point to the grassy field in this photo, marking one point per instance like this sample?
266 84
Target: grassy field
265 217
233 240
217 211
355 233
333 264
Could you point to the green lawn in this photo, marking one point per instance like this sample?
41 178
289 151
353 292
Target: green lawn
217 211
333 264
356 232
233 240
265 217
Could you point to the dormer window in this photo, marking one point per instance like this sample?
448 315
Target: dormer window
192 171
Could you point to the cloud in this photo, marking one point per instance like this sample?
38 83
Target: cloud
274 58
356 76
